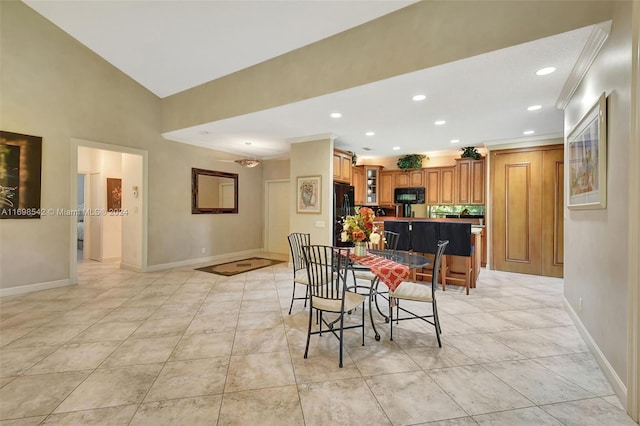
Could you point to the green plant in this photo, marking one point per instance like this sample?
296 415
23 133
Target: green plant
411 161
470 152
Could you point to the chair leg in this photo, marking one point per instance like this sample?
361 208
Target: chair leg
469 273
341 335
391 317
293 296
363 318
435 315
443 272
306 349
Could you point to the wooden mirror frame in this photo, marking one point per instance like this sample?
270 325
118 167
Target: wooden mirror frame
195 209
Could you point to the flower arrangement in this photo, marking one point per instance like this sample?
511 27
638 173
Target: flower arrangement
360 228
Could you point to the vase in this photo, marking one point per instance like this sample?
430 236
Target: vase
360 249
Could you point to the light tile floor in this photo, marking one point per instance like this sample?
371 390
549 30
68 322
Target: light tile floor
188 347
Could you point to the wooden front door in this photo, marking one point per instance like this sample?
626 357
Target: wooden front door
527 187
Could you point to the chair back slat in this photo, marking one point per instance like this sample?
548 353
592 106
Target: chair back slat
297 241
401 228
327 268
437 259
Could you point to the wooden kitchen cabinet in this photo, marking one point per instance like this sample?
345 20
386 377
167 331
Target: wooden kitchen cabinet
439 183
372 185
409 178
359 185
386 186
342 166
470 181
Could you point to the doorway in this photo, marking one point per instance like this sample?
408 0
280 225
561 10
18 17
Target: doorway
119 234
276 227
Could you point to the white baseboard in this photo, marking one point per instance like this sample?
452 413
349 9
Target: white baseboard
130 267
189 262
614 380
21 289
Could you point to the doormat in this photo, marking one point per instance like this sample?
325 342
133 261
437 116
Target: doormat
239 266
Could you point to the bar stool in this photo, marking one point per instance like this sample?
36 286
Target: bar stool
458 267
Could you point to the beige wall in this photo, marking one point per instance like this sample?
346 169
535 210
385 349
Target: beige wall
310 159
596 263
275 169
52 86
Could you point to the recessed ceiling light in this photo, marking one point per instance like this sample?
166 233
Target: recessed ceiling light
248 143
534 107
370 133
336 115
440 123
455 140
419 98
395 148
528 132
545 71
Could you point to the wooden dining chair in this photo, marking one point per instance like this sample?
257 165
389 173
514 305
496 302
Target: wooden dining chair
327 270
418 292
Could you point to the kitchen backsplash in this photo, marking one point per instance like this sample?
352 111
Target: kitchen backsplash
442 211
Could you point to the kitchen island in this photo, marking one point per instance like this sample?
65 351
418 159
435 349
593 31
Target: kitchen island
453 265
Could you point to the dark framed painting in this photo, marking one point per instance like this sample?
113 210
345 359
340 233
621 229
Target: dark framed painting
20 175
114 194
587 156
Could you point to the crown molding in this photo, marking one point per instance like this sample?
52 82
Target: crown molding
598 36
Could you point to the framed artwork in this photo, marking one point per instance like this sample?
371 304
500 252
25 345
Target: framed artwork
20 175
309 190
114 194
587 158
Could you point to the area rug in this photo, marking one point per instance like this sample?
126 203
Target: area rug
239 266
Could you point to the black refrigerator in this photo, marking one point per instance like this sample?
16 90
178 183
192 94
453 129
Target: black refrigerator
343 196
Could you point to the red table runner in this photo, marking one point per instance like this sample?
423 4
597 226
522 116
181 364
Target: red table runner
391 273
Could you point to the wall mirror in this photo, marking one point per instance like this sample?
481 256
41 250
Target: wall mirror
213 192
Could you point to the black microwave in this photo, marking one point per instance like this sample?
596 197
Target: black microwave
413 195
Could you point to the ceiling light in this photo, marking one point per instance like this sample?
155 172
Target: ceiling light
204 132
528 132
455 140
336 115
534 107
440 123
370 133
248 162
545 71
248 143
419 98
395 148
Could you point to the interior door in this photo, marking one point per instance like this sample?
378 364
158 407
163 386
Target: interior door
527 189
552 213
277 217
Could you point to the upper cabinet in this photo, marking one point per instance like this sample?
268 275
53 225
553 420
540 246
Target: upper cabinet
371 175
440 185
341 166
359 185
386 185
470 181
409 178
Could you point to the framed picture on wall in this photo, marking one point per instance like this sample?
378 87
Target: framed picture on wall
20 171
587 157
309 194
114 194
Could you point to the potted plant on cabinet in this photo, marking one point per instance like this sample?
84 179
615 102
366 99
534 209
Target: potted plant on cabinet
470 152
411 161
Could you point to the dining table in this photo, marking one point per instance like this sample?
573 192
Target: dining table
392 268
